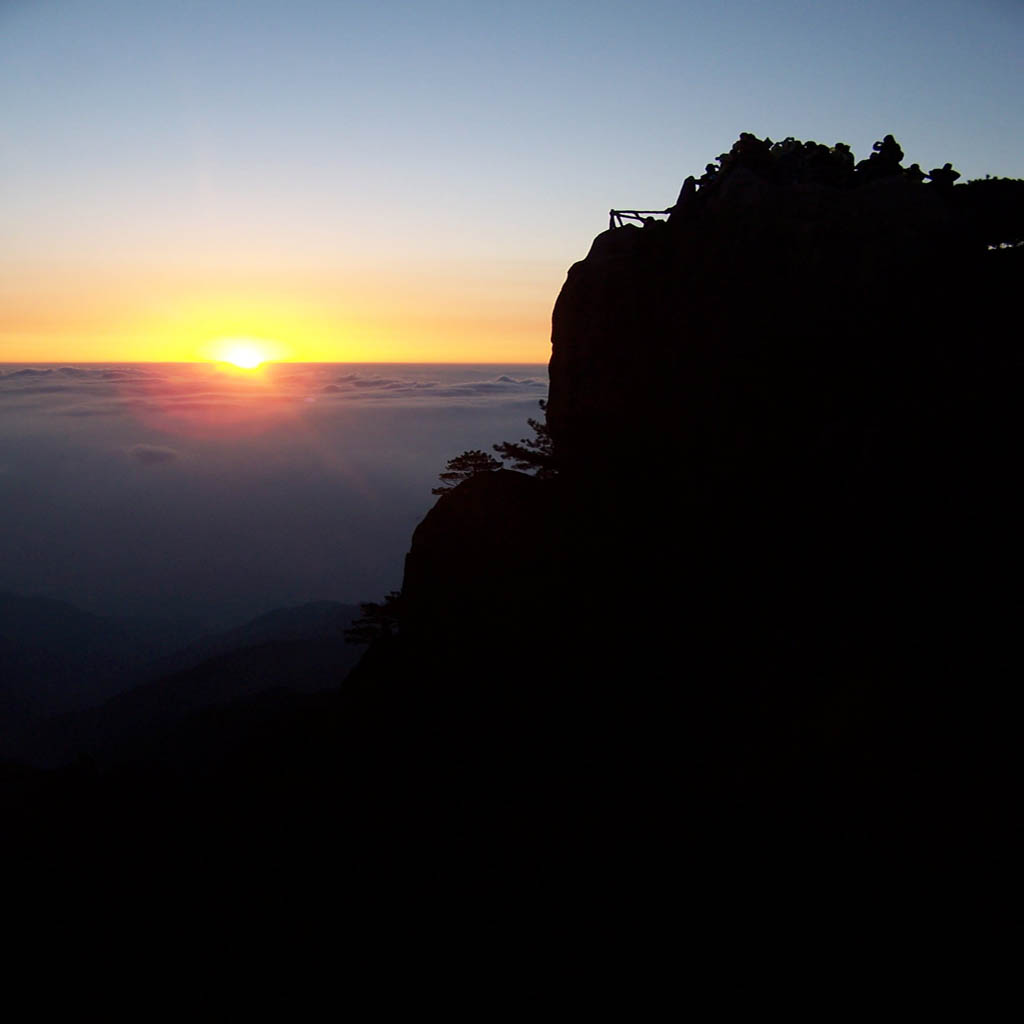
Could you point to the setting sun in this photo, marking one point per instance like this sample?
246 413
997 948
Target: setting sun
245 354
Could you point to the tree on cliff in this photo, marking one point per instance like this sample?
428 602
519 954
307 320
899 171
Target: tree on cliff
463 466
531 454
379 620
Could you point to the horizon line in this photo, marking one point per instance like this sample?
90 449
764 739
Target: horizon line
276 362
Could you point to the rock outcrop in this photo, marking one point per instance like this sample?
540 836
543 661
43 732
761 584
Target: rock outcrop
801 379
774 563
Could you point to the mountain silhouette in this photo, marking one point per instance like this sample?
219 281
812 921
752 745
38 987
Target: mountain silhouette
134 698
55 657
783 420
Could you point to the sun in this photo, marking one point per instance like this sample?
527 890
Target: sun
243 353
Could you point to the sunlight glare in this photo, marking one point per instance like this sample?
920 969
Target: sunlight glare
243 353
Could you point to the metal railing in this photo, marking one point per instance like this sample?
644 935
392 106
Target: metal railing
617 218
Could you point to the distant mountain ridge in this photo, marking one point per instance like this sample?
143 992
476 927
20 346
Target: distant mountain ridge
55 656
314 620
49 648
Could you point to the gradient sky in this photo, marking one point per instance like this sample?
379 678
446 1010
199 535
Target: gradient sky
410 181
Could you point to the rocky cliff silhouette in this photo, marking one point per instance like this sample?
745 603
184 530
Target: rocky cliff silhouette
773 573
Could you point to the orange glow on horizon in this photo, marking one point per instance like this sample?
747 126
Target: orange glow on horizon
234 402
136 316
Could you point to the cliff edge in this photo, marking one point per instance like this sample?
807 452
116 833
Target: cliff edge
773 568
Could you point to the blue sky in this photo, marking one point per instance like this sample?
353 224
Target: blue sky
426 170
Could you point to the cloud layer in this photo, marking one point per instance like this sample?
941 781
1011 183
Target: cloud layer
100 390
185 490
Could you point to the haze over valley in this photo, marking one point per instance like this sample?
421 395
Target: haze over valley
195 491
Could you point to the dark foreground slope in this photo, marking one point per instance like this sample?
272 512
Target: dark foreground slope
754 629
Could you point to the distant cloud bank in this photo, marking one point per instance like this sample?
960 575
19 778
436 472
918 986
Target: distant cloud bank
358 385
104 390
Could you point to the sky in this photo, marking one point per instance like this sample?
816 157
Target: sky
395 181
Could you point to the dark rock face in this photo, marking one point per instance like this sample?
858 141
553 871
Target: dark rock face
479 555
814 379
776 546
795 390
754 314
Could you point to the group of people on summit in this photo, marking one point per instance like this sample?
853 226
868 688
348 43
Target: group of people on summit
792 162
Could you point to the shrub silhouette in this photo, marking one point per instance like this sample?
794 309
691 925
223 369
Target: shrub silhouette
531 454
463 466
379 620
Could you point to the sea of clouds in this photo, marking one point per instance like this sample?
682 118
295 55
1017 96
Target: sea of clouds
191 490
